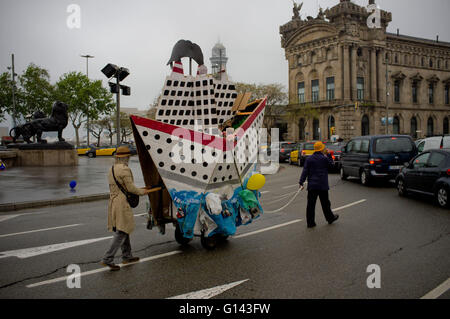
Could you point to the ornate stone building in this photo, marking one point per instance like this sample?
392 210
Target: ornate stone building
336 61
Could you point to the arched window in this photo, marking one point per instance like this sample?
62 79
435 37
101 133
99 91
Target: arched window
396 126
414 127
301 128
316 126
365 126
430 127
446 128
331 124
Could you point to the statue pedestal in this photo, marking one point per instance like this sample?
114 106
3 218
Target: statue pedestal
54 154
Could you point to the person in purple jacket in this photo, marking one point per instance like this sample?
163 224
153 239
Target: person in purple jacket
316 171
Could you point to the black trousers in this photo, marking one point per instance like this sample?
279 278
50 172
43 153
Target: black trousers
311 207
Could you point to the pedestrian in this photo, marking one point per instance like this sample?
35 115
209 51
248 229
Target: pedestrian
316 172
120 215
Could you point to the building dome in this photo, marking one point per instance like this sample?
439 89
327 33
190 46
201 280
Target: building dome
219 50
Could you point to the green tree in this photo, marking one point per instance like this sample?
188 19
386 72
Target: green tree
6 103
84 97
276 100
35 92
125 127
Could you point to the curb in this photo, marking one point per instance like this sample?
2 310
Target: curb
52 202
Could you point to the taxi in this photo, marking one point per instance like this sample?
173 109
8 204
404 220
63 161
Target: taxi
101 151
299 155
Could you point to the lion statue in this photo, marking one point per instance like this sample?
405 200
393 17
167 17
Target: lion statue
57 121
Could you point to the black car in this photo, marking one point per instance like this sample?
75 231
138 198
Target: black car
429 174
335 150
285 150
376 157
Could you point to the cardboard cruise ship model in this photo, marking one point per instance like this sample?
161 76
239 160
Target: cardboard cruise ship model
200 153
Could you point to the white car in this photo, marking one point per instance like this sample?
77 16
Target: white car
435 142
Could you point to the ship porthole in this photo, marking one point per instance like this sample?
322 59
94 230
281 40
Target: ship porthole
205 177
159 151
145 133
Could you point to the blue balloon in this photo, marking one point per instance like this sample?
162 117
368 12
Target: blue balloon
73 184
2 166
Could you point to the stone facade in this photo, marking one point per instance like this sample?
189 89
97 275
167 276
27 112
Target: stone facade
337 65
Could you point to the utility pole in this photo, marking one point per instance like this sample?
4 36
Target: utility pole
13 76
118 109
387 97
87 56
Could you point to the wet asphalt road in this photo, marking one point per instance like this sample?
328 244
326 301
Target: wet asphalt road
407 237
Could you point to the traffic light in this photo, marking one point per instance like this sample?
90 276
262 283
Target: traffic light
333 130
356 106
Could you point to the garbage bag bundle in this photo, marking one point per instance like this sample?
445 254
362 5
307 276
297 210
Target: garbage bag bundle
188 204
210 215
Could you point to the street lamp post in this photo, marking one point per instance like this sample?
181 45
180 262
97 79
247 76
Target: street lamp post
120 73
87 56
13 89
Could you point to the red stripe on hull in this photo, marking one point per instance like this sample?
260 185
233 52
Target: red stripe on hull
215 142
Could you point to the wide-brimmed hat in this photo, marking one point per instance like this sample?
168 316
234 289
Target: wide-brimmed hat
123 151
319 146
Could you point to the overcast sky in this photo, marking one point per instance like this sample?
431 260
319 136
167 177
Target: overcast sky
140 35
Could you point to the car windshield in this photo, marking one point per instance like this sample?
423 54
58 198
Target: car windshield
393 145
309 147
288 145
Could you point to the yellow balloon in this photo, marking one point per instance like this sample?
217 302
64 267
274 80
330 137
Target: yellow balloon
256 182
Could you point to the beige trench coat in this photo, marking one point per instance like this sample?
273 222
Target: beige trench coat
120 214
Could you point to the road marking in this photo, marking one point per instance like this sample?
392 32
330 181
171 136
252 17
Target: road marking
267 229
177 252
265 192
39 230
438 291
210 292
36 251
143 214
95 271
6 217
349 205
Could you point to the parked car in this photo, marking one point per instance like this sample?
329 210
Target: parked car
376 157
435 142
429 174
